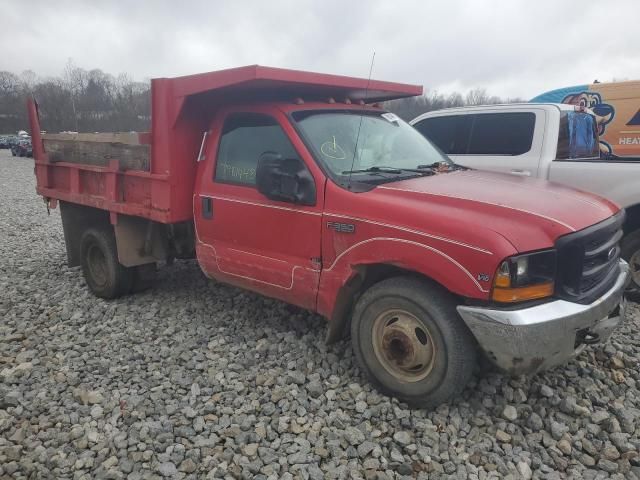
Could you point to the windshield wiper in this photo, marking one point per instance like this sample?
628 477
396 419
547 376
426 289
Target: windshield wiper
383 169
431 165
450 166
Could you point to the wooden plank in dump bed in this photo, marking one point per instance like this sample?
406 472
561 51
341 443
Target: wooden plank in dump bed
98 149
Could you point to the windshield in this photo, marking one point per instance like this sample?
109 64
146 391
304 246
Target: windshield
384 141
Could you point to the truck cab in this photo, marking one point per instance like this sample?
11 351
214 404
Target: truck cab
300 187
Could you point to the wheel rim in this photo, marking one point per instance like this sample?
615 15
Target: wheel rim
403 345
97 263
634 265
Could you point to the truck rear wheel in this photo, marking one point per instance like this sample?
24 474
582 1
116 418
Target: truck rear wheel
408 337
630 251
104 274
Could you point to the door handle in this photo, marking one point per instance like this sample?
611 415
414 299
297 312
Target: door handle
522 173
207 207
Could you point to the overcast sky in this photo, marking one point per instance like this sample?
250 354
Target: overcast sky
511 47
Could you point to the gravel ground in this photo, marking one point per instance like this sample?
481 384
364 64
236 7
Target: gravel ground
195 379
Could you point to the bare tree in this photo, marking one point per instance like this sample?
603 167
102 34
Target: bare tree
79 100
10 101
28 80
409 108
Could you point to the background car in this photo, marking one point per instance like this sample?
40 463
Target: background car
22 148
11 141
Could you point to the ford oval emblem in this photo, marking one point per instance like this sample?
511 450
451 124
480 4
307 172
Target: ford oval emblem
611 253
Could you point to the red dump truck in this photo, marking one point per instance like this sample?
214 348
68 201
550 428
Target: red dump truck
300 187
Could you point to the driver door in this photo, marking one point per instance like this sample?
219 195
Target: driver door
243 238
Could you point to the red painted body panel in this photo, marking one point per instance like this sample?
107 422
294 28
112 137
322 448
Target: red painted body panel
455 228
451 227
253 242
416 237
528 212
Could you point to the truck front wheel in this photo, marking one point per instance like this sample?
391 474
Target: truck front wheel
408 337
102 271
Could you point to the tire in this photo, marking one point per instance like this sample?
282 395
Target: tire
630 251
13 154
102 271
402 315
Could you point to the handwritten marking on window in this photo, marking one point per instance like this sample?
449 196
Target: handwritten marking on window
238 174
332 150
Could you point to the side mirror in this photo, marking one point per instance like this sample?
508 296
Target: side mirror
285 179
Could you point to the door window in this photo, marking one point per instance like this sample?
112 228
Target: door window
246 136
481 134
502 133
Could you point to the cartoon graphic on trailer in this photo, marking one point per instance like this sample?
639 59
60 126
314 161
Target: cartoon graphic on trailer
603 111
616 106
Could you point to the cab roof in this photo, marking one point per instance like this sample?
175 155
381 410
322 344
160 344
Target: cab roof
261 83
498 107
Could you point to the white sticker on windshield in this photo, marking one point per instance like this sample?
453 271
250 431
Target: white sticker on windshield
390 117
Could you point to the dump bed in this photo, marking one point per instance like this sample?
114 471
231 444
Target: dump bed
152 174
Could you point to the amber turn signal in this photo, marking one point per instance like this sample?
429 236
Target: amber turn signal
503 276
519 294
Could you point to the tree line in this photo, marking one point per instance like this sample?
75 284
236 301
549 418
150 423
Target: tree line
94 101
79 100
409 108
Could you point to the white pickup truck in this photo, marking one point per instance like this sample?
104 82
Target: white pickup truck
552 141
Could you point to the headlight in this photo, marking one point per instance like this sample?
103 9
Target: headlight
525 277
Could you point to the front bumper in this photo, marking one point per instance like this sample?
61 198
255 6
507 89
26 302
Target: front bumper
531 339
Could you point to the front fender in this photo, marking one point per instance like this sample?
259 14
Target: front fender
462 271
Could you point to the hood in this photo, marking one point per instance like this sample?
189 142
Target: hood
530 213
